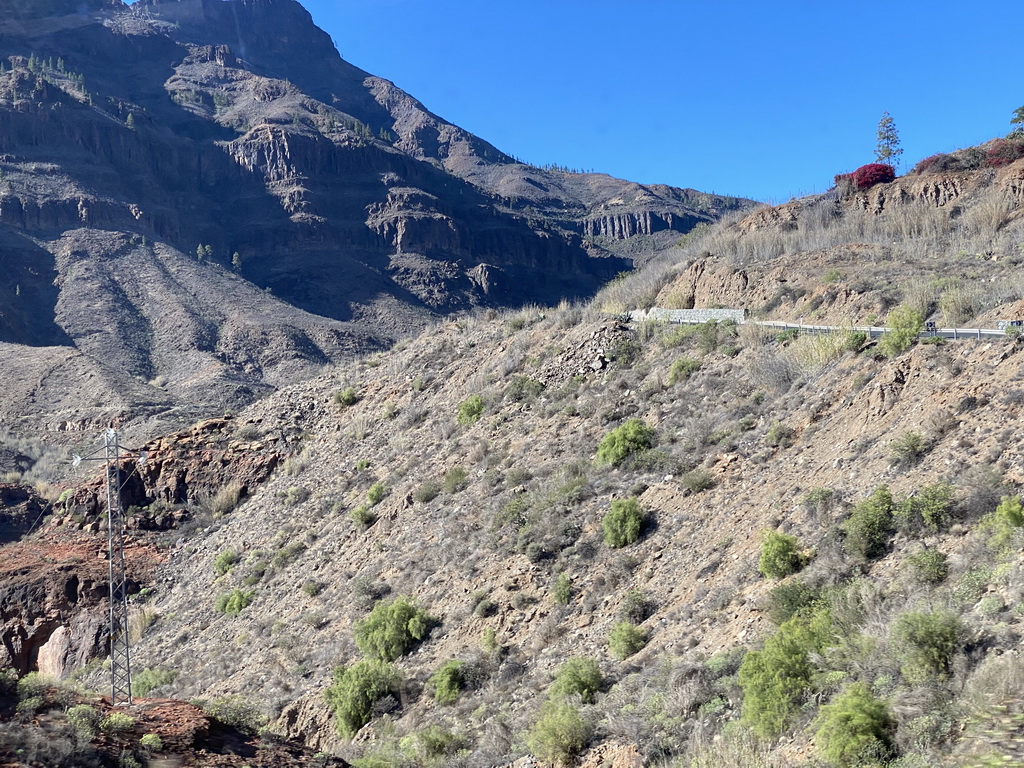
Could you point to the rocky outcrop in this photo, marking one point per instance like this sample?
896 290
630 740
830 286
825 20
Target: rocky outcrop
53 600
626 225
53 588
21 509
590 355
167 479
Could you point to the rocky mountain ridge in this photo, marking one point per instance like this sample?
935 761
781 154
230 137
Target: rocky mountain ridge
609 540
137 139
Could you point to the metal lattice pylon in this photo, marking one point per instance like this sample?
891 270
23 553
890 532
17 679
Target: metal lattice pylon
120 664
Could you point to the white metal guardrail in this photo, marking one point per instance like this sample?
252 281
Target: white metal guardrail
696 316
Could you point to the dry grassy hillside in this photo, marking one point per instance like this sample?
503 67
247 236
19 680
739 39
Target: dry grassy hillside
494 527
549 533
948 244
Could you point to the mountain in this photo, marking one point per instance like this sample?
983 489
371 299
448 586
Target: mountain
549 533
204 197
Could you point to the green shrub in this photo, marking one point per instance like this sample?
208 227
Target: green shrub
295 495
448 681
681 369
84 720
489 641
870 526
775 680
625 351
908 449
150 679
625 639
356 689
931 510
470 410
631 438
622 525
236 711
522 389
560 733
787 599
854 340
312 587
779 435
117 722
635 607
346 397
563 589
392 629
234 602
855 729
482 605
698 480
376 494
34 686
577 677
151 742
926 644
225 561
817 499
29 705
427 745
287 553
929 567
455 480
1001 524
780 555
971 585
363 516
712 334
905 325
429 491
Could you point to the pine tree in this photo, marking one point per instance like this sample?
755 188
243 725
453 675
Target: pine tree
888 150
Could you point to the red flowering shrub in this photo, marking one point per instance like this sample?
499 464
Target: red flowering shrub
873 173
1002 152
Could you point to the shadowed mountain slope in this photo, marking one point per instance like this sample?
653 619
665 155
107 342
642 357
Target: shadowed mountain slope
162 162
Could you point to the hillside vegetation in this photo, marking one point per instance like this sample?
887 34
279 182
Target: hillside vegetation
548 532
574 534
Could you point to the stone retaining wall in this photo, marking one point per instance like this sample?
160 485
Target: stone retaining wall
688 315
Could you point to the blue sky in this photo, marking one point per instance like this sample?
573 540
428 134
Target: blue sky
762 99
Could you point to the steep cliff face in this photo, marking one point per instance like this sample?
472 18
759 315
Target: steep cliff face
53 600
